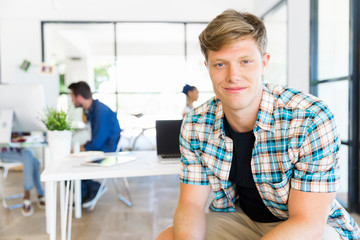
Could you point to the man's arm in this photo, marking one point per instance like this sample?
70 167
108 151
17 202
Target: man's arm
308 213
189 219
99 132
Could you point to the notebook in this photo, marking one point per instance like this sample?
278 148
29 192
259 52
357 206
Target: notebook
167 140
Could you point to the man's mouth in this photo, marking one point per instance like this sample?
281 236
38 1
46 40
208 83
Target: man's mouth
235 89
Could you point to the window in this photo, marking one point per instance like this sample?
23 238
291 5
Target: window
276 25
133 67
330 71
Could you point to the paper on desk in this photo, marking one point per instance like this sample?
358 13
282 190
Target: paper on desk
109 161
86 156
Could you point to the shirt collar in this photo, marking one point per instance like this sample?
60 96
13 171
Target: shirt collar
265 119
91 109
218 129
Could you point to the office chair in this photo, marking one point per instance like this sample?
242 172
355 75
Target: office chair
5 168
116 182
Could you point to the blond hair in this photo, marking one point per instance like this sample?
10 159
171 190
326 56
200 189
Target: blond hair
228 27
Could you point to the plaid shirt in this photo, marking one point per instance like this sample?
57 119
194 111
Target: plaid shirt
296 146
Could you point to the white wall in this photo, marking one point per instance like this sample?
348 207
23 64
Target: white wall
262 6
299 44
19 40
298 40
20 28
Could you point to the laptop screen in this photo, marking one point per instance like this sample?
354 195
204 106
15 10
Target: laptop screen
167 136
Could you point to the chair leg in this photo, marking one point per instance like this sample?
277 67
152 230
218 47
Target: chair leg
98 194
127 190
4 198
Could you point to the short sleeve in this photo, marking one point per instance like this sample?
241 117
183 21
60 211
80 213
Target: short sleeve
318 168
192 169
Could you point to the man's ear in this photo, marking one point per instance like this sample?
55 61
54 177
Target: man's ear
205 63
265 62
79 98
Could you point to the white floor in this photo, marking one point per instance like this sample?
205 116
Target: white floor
154 200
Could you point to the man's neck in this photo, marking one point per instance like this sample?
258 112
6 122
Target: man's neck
87 104
243 120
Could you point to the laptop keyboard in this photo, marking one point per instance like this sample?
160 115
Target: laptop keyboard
175 155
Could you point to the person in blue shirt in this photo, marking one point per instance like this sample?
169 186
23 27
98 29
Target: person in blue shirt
105 132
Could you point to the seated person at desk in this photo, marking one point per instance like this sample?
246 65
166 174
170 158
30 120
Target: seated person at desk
105 132
31 175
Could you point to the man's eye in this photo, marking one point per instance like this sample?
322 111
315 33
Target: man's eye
246 61
219 64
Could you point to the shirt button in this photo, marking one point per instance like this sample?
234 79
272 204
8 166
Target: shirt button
228 157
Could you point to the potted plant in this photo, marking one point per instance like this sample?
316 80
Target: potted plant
59 127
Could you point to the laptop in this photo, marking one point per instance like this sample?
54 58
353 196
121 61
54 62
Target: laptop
6 120
167 140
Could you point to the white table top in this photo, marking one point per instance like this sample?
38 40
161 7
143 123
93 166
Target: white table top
145 164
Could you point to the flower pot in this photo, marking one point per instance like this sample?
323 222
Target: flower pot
59 144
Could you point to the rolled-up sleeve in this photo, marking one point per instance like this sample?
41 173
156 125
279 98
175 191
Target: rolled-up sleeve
192 169
318 167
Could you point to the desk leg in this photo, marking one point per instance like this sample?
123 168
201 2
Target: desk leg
64 191
47 206
77 198
62 207
66 212
52 209
46 161
70 209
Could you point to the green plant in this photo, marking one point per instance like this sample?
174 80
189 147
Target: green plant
57 120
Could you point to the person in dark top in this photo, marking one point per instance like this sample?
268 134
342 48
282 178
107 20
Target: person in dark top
269 153
105 132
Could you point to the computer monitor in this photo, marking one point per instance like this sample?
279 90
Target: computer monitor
28 103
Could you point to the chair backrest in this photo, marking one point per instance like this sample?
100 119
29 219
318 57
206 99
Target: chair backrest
119 144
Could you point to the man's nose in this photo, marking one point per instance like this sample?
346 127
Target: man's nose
234 73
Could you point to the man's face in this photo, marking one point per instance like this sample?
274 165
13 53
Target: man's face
235 71
75 99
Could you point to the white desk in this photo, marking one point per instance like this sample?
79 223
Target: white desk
146 164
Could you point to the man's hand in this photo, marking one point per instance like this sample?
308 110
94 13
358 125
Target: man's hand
82 149
308 213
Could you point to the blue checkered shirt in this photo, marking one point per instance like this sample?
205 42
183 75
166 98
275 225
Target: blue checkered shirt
296 146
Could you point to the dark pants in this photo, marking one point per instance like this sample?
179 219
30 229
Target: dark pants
89 188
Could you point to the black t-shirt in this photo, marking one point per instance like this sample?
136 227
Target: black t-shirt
240 173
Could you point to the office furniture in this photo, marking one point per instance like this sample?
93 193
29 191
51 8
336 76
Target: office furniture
70 170
116 183
6 166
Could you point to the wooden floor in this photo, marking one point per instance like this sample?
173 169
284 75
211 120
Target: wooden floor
154 200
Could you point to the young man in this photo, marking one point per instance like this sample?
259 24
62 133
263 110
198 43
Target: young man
269 153
105 132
